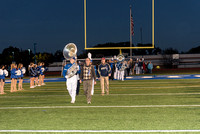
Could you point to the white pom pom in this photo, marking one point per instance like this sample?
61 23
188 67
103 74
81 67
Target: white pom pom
18 72
1 72
42 69
23 70
5 72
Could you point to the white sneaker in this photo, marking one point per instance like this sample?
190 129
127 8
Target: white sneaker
89 102
39 85
32 87
72 102
43 84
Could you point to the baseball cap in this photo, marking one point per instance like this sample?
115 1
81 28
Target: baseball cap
102 58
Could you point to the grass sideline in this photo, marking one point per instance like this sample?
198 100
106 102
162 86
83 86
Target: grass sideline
126 93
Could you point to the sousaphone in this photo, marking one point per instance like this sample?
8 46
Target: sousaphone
70 51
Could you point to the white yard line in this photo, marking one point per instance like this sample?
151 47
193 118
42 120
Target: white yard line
135 106
99 131
150 94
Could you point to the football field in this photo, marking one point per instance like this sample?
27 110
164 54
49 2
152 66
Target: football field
133 106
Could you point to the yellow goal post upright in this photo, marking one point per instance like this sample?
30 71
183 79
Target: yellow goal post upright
120 48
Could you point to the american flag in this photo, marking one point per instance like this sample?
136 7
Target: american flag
132 25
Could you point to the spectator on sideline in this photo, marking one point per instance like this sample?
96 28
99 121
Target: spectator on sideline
150 67
144 68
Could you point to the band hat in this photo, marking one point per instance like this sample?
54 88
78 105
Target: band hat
73 58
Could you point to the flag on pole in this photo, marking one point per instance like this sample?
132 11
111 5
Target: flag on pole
132 25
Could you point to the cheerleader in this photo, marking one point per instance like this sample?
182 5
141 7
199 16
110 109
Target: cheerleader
43 76
32 74
36 75
20 77
13 78
40 73
3 73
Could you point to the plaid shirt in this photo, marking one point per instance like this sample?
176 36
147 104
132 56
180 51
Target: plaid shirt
88 73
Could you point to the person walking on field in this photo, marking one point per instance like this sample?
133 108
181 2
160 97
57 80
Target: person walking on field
104 70
87 76
71 78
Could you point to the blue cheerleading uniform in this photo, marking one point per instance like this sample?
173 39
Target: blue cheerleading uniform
22 75
13 73
32 72
2 76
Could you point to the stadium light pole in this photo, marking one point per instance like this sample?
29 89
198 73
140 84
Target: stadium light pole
29 53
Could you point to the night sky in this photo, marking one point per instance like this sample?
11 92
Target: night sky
54 23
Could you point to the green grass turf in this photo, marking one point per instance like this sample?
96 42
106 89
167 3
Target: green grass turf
126 93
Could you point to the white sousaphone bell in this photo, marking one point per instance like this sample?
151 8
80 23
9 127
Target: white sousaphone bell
70 51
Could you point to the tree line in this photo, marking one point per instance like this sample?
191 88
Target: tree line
17 55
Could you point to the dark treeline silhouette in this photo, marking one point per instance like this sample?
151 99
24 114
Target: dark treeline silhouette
13 54
17 55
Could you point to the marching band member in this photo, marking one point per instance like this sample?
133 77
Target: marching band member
71 80
119 66
116 70
78 81
87 76
20 77
13 78
112 65
122 70
136 67
104 71
3 73
95 69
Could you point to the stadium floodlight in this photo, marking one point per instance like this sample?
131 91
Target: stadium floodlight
98 48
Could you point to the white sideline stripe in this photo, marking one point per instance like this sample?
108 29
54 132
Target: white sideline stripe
173 76
197 76
155 94
136 106
147 77
100 131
